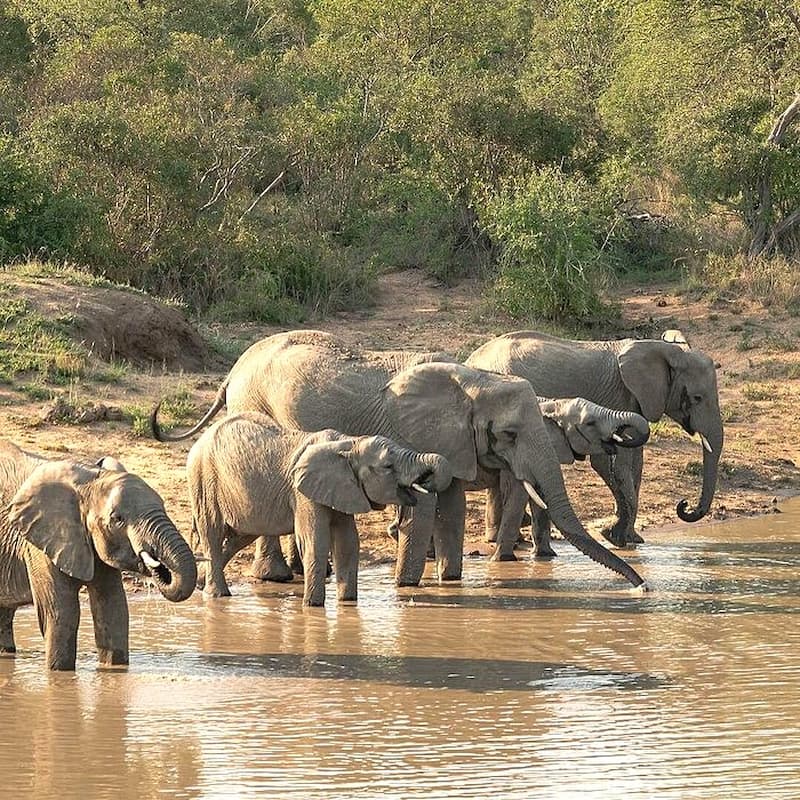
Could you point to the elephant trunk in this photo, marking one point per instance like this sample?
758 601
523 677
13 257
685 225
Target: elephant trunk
548 480
712 450
632 430
430 472
166 557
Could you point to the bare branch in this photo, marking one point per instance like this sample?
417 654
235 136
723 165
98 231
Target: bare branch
258 199
784 121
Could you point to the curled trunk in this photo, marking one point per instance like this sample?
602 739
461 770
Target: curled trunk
167 558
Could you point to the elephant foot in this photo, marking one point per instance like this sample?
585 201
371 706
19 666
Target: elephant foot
499 556
211 592
490 537
112 658
621 538
545 555
7 649
448 574
401 582
264 571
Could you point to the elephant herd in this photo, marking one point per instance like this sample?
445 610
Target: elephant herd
317 432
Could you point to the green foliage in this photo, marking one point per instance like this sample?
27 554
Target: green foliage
551 262
266 158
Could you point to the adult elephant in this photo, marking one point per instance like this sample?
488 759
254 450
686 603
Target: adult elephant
70 524
310 380
651 377
577 428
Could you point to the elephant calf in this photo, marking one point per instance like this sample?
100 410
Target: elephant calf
248 478
70 524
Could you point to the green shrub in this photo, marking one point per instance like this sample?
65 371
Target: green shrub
550 264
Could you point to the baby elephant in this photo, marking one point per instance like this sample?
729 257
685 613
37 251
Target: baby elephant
248 478
68 524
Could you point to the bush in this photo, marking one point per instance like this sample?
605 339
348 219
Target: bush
287 277
551 264
415 224
33 217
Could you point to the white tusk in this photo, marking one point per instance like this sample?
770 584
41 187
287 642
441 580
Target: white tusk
534 495
617 438
706 444
420 489
149 561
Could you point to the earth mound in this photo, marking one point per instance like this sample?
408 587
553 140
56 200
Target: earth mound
120 324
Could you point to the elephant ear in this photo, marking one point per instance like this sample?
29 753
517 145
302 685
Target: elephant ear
46 511
429 410
645 370
558 438
323 474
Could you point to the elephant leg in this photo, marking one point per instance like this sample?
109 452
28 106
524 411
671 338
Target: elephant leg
393 528
313 527
345 556
618 473
541 533
7 630
448 531
269 563
55 597
493 514
109 614
515 502
292 554
414 535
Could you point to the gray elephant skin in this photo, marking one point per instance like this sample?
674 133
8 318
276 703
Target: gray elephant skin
309 380
71 524
248 478
650 377
577 428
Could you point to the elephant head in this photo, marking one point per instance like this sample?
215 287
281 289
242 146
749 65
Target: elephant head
669 378
474 417
356 474
75 513
579 428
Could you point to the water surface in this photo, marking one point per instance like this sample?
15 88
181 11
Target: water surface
526 680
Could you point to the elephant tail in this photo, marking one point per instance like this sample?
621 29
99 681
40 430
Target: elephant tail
158 432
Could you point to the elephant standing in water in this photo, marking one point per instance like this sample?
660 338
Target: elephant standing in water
649 377
577 428
309 380
70 525
248 478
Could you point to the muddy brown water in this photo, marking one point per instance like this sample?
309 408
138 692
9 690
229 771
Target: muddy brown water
526 680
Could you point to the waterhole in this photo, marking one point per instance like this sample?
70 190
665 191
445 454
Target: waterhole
526 680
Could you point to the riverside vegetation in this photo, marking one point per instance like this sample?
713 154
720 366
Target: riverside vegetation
269 159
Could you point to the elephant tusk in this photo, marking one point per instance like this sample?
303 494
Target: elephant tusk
421 489
534 495
706 444
617 438
149 561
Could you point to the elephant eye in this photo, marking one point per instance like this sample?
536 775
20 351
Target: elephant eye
115 519
511 435
697 398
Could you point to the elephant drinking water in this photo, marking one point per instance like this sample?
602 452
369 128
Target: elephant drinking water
72 524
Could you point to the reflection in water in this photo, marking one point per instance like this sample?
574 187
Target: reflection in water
527 680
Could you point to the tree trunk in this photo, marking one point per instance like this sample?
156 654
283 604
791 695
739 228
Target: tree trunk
768 232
